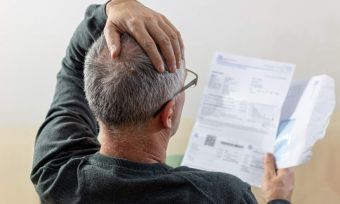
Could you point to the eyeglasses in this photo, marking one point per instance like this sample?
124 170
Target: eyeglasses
190 80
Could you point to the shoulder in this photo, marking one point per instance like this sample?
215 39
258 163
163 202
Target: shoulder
215 177
225 186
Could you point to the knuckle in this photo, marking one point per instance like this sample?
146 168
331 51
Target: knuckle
165 41
149 18
158 17
173 36
133 22
178 34
267 162
149 45
106 29
279 182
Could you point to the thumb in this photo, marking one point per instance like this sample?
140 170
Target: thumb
269 166
112 37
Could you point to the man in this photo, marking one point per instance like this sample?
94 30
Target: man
138 110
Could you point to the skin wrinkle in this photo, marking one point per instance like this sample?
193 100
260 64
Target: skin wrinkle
136 105
133 145
124 94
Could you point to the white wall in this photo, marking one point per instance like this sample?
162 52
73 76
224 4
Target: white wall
33 40
34 36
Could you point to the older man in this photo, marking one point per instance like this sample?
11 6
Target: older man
138 110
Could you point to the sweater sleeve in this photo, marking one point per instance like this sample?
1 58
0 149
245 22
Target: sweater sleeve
278 201
70 129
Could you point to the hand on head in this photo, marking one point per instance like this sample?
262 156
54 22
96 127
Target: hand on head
277 183
151 30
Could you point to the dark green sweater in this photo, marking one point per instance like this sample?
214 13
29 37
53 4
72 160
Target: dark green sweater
67 167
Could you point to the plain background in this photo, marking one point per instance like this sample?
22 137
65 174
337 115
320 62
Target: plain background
34 36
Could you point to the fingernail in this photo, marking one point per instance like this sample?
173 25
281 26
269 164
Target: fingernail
161 68
182 64
182 54
173 67
113 51
266 156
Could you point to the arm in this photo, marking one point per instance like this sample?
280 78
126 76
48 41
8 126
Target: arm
70 129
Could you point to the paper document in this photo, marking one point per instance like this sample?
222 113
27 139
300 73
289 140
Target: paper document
304 119
240 117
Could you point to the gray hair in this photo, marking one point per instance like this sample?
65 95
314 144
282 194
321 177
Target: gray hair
127 90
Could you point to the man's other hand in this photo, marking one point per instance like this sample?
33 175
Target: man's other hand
277 184
152 30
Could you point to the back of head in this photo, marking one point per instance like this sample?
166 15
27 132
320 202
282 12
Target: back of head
126 91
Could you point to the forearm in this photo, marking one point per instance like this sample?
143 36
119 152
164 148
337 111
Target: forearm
70 128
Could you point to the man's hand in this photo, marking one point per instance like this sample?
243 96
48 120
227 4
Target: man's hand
277 184
149 28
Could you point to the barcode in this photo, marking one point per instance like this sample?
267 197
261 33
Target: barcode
210 140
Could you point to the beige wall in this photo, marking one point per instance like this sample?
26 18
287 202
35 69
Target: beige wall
317 182
16 161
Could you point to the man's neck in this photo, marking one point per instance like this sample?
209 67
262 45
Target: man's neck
136 146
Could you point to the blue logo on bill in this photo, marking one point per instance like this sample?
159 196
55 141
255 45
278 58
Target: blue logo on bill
283 138
220 59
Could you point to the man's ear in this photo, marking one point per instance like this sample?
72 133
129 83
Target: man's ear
167 114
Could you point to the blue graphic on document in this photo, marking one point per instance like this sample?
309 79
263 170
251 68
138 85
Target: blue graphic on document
283 137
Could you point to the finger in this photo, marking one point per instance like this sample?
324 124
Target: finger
180 40
174 42
269 166
112 37
144 39
164 44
